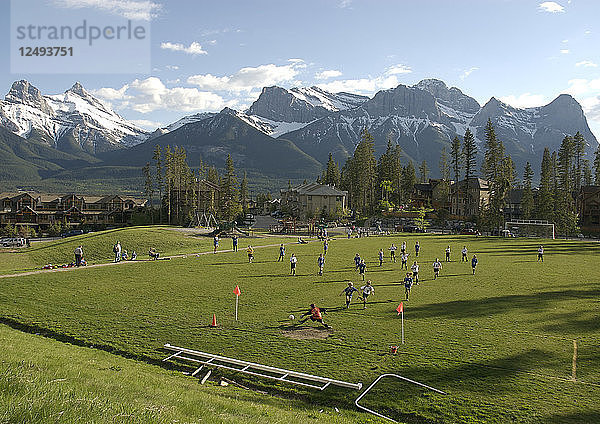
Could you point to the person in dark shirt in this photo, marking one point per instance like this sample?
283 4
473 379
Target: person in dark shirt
234 240
362 267
349 291
408 282
281 253
356 261
474 263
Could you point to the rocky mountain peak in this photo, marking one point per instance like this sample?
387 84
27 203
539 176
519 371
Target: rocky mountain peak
23 92
450 97
78 89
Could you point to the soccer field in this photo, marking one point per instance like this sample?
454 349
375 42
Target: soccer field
500 342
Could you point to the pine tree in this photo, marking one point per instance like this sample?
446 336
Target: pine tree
444 164
424 171
578 153
597 166
148 188
470 162
587 173
212 175
545 204
229 191
527 198
332 173
359 174
456 160
159 178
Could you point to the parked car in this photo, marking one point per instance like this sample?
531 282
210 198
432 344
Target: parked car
470 232
13 242
71 233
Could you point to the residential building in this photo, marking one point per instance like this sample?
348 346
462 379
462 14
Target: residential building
41 210
588 207
313 199
468 197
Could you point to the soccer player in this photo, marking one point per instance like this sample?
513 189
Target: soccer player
314 314
250 251
281 252
403 247
356 261
541 253
367 290
437 265
404 261
464 254
474 263
392 250
293 262
408 282
349 291
215 243
325 247
321 263
362 267
448 254
234 240
417 249
380 257
349 232
415 272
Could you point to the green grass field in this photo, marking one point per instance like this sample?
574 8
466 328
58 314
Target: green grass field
500 343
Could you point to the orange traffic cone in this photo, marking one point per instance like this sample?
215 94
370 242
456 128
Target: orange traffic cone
214 321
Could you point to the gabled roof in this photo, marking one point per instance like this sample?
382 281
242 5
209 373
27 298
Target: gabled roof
315 189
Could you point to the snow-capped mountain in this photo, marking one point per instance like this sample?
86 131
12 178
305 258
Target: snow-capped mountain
74 120
281 110
424 118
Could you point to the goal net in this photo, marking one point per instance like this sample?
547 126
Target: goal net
530 228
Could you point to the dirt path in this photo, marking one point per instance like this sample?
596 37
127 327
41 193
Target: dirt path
41 271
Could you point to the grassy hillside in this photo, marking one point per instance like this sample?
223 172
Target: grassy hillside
500 343
44 381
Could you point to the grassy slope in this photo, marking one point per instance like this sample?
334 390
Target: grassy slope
44 381
499 343
98 247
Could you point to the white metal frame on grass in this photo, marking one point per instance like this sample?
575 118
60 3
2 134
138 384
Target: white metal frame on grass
540 223
258 370
364 408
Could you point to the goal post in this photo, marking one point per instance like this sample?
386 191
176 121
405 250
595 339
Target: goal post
531 227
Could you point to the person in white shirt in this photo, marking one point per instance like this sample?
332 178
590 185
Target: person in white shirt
437 265
464 254
404 259
367 290
448 254
541 253
392 250
293 262
415 272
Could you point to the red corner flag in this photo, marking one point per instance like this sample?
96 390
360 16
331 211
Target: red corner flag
237 291
400 308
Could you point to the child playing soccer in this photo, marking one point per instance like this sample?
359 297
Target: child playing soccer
448 254
349 291
314 314
404 261
380 257
474 263
281 253
408 282
250 251
367 290
415 272
464 254
321 263
437 265
293 262
392 250
362 267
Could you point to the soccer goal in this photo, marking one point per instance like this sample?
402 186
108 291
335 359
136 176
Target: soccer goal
530 228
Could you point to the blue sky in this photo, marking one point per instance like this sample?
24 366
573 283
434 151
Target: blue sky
207 54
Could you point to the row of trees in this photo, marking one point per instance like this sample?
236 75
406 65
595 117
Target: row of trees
176 184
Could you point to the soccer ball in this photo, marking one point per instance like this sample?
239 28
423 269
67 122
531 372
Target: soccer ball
292 317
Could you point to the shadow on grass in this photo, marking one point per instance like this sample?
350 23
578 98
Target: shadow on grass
494 305
574 418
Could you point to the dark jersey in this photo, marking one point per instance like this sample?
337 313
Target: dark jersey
362 268
350 290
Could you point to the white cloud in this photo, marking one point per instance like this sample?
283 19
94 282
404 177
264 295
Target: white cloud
468 72
551 7
212 42
147 124
587 64
194 48
587 92
249 78
143 10
361 85
524 100
398 70
151 94
343 4
172 67
331 73
564 51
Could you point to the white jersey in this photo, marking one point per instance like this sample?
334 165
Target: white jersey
367 290
415 268
437 265
404 257
464 251
293 260
393 248
541 250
